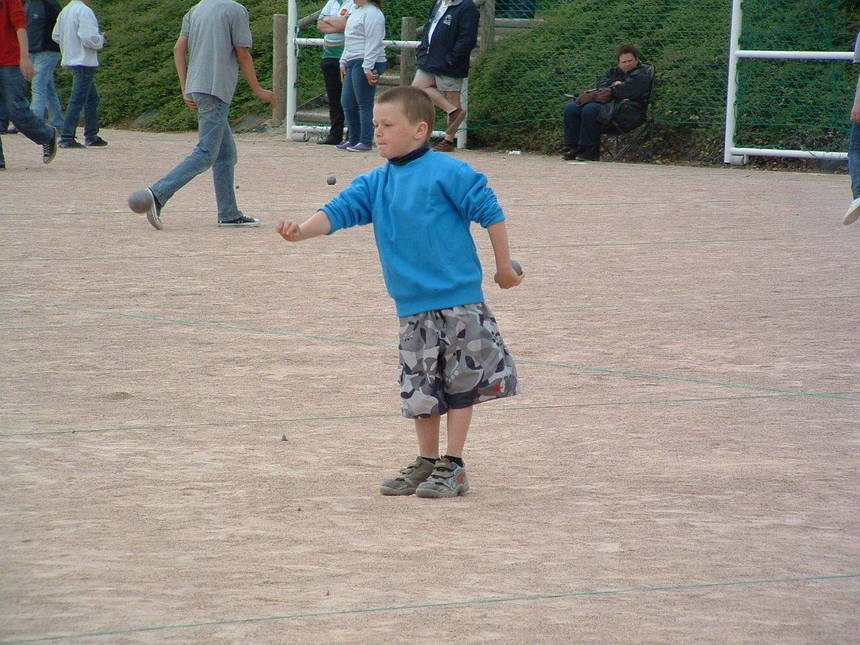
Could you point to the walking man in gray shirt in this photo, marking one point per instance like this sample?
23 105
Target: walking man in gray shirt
213 46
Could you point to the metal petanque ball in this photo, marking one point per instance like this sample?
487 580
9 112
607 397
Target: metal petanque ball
331 180
139 201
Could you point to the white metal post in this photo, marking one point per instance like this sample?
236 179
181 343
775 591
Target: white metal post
462 131
292 67
739 155
732 87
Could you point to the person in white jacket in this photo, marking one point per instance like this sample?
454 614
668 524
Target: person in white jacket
77 33
361 64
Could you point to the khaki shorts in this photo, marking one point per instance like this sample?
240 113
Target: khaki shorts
453 358
442 83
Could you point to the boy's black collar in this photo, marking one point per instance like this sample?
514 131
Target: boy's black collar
412 156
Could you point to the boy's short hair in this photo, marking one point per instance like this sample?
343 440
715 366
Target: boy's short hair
628 49
414 103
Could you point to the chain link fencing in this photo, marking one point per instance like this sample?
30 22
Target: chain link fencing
534 51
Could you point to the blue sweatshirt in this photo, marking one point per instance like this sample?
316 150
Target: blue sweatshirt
421 212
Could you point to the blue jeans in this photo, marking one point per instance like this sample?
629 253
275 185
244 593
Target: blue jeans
14 100
44 91
854 159
580 124
85 98
357 101
215 149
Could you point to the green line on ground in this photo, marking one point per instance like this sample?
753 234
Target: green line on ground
492 410
438 605
353 341
687 379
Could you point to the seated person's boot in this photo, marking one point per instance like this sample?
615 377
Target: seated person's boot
588 153
570 153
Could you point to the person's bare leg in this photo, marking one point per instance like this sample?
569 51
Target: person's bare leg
454 99
459 421
439 99
428 436
406 482
449 478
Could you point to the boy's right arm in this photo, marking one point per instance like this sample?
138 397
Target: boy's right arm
180 51
331 24
855 108
314 226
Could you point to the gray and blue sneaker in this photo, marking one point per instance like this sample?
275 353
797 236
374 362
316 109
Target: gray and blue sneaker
447 480
143 201
408 479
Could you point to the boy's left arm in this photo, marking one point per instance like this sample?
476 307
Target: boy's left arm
505 276
25 64
88 32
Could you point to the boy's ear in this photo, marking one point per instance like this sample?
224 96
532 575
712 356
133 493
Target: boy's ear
422 131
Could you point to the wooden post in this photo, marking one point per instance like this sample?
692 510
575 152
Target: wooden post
487 26
407 56
279 67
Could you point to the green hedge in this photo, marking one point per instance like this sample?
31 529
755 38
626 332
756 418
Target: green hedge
516 93
516 89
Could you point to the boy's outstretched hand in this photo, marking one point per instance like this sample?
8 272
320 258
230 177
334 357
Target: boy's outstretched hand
289 230
507 277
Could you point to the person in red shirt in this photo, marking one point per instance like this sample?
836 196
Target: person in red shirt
15 68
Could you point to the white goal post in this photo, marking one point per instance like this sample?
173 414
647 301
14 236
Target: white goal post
737 155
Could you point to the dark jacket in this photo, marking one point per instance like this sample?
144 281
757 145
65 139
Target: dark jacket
635 85
41 18
454 38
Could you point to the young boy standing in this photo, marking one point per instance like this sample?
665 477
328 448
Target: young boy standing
452 356
213 45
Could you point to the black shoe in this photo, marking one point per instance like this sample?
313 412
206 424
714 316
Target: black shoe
588 153
71 144
49 150
243 220
95 142
444 146
570 153
329 141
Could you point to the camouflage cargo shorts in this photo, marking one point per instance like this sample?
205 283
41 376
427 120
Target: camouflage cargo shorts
453 358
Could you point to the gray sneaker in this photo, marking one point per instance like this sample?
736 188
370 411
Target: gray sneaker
447 480
408 479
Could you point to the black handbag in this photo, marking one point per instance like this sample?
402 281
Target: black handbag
621 116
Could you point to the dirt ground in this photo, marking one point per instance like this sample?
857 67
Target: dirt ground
681 466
